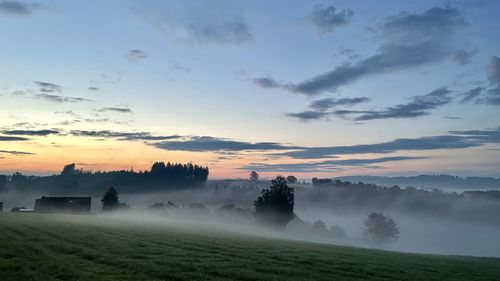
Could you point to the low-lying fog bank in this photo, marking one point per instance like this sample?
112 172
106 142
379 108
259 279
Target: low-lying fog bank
419 235
449 224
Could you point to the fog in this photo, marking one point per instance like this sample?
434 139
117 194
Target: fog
447 232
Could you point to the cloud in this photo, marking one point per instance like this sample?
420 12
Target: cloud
494 70
452 117
200 23
30 132
268 82
328 103
128 136
463 57
16 152
114 109
493 97
206 144
18 8
135 55
418 106
323 166
327 19
229 32
481 136
471 94
93 88
409 40
423 143
320 107
61 99
454 140
308 115
10 138
46 87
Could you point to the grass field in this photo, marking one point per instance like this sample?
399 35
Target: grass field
65 247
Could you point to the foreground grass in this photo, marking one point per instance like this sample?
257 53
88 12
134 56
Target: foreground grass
56 247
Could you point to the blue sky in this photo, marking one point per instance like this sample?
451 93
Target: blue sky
215 82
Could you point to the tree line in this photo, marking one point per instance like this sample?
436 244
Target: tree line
71 180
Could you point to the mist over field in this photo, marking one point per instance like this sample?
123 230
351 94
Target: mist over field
447 225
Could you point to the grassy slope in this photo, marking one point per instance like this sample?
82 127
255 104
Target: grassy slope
48 247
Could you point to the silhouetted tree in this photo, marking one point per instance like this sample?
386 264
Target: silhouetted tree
69 169
110 200
275 205
3 183
291 179
254 176
380 229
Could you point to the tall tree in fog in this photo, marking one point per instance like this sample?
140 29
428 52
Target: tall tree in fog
380 229
110 200
275 205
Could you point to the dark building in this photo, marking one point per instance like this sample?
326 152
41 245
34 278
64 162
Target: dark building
63 204
1 206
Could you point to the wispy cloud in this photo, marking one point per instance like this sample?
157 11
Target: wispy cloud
494 70
309 115
206 144
47 87
463 57
471 94
418 106
114 109
403 144
204 23
30 132
323 166
327 19
454 140
321 108
130 136
409 40
328 103
12 152
61 99
19 8
493 94
135 55
11 138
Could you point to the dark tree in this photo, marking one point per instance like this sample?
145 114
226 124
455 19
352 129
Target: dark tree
158 169
380 229
110 200
254 176
69 169
275 206
291 179
3 183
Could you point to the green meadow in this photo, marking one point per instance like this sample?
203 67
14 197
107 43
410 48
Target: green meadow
92 247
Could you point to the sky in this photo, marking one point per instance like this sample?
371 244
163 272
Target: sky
314 89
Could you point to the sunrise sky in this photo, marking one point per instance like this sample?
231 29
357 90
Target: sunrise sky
280 87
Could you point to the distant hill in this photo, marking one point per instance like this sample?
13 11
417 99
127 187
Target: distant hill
430 181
